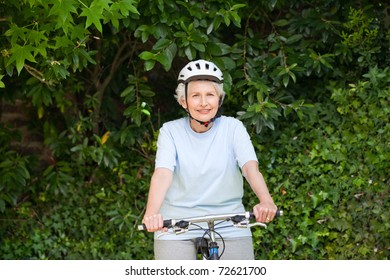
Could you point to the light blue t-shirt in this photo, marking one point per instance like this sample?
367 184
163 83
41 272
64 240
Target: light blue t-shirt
206 171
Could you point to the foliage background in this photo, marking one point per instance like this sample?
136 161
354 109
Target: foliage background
95 81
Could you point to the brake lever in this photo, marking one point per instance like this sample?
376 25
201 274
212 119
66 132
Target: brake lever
179 230
175 230
242 224
162 234
257 224
246 224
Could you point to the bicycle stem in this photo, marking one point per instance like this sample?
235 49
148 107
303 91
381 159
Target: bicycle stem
211 228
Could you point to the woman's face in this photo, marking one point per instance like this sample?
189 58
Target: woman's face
202 100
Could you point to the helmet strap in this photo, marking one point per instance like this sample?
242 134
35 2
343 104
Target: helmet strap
206 124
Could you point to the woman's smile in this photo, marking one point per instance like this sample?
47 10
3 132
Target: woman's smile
204 111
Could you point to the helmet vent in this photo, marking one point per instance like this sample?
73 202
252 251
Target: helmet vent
200 70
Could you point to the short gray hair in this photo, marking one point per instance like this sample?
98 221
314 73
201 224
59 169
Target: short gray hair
181 91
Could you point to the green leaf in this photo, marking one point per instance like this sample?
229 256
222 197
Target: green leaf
20 54
238 6
163 59
161 44
127 6
190 53
149 64
272 3
62 42
169 54
17 33
292 75
210 28
94 15
281 22
236 19
146 112
325 63
112 16
286 79
145 55
218 49
294 245
275 46
63 10
2 85
41 49
294 38
104 4
225 16
200 47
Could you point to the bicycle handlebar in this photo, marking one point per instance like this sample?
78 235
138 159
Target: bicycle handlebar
185 222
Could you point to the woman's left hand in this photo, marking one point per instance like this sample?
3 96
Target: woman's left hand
265 211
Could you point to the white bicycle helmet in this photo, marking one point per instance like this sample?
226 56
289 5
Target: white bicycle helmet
200 70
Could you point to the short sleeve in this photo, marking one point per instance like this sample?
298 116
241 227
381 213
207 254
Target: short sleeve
166 150
243 147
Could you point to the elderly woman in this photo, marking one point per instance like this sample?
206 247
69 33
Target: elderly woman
200 163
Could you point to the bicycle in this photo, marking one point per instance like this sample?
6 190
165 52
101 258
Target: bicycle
209 248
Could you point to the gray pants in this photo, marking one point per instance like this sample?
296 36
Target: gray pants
235 249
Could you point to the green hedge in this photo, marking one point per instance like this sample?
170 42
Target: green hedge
330 173
308 79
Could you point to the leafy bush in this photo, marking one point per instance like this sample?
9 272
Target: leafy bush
14 172
310 81
329 172
80 219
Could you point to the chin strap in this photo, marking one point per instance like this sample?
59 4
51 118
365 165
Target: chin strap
206 124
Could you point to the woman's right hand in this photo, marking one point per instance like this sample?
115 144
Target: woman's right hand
154 222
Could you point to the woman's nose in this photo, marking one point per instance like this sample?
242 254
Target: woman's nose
203 101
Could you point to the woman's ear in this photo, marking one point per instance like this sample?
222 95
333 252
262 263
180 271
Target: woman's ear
183 103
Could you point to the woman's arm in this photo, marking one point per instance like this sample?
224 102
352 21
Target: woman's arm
264 211
159 184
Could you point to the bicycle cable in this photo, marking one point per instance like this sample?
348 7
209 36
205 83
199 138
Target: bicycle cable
208 232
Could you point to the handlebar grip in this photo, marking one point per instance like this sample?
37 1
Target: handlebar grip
142 227
279 213
166 224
